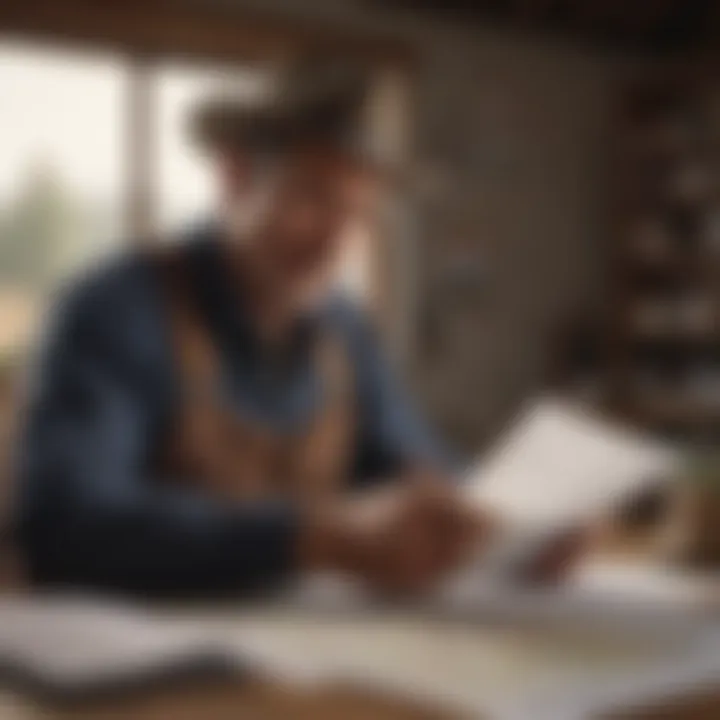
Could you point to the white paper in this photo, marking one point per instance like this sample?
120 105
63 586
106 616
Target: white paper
557 469
560 466
481 666
72 642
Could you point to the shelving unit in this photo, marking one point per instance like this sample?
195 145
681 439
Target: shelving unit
664 344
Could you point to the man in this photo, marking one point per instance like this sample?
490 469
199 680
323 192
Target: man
212 417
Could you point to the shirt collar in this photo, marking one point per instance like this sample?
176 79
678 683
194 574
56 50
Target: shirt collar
221 296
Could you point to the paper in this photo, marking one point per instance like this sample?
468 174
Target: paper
558 469
477 667
560 466
69 645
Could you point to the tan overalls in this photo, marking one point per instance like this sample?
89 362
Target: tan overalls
235 458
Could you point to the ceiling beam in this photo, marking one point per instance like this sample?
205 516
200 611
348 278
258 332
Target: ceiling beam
172 28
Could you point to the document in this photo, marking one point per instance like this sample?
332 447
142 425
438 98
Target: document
560 465
67 647
559 468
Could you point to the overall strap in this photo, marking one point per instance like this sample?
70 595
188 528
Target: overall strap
198 362
226 455
234 457
317 461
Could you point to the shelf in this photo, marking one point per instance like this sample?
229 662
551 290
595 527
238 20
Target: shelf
666 317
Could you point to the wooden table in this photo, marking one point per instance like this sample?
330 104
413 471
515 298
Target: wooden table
242 702
264 700
258 701
229 701
261 699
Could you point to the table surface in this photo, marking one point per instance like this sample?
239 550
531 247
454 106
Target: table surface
268 702
478 660
468 661
265 701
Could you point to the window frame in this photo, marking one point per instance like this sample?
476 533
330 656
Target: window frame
145 33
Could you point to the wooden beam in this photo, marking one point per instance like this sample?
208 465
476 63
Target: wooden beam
622 17
533 12
141 146
158 27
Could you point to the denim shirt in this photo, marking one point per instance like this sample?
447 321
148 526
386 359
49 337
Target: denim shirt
105 389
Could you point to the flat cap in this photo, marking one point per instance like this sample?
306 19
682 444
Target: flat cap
316 100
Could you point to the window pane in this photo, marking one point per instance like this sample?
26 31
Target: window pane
61 176
184 191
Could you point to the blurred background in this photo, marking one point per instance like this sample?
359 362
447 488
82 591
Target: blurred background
556 224
558 220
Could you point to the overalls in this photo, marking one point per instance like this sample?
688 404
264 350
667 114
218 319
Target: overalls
213 447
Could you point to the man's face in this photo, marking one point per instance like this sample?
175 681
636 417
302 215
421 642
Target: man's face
303 211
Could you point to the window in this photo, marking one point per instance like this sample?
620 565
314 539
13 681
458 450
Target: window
182 182
61 176
90 142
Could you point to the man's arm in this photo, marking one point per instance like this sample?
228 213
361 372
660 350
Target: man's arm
393 436
89 516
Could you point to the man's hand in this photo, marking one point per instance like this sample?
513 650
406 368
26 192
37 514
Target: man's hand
399 540
557 559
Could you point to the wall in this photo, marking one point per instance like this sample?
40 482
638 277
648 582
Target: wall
515 131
